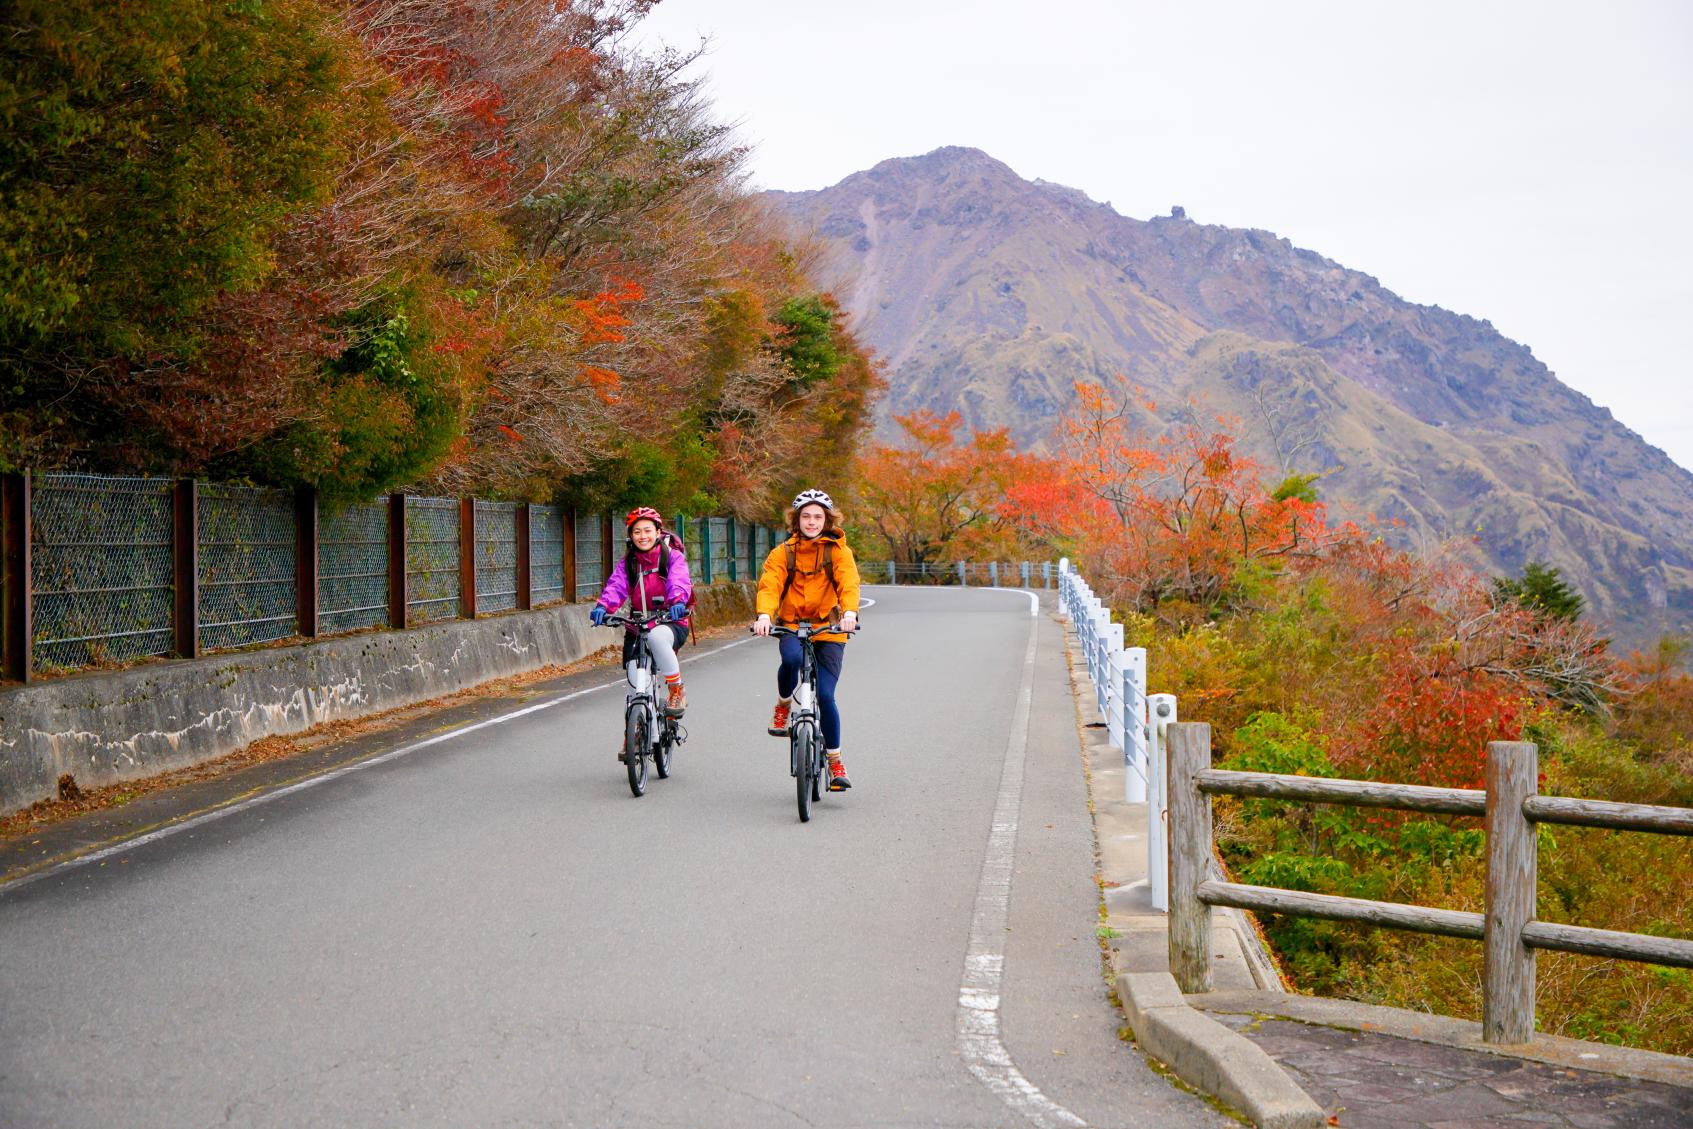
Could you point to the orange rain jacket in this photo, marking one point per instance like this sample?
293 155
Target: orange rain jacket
811 597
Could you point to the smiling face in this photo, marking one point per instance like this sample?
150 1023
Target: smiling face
812 518
644 534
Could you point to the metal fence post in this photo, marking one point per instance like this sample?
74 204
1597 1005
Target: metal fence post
1026 583
1134 725
20 632
525 580
305 560
993 573
1046 574
397 596
893 577
734 552
705 550
605 546
1507 1002
1161 714
962 577
185 505
1190 857
467 558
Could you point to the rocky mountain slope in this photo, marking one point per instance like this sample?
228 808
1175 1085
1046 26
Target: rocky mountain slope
994 295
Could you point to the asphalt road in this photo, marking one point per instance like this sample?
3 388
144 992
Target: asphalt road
491 931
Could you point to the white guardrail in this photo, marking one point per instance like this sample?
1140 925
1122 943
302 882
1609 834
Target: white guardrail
1135 722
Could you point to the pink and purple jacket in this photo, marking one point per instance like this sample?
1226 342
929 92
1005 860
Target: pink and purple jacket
656 591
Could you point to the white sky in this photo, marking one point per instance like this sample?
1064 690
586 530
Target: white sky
1527 163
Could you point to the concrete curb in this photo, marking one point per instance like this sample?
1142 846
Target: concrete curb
1199 1050
1210 1057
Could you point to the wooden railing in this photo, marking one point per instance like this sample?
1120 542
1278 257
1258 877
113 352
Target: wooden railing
1507 927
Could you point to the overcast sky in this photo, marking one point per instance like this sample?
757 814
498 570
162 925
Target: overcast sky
1527 163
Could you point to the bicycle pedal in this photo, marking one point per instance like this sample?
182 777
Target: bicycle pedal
681 735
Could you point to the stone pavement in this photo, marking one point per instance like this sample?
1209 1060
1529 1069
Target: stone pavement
1373 1081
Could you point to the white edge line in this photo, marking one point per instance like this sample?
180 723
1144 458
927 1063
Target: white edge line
125 845
979 1043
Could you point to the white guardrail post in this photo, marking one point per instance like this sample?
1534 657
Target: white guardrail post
1133 696
1161 714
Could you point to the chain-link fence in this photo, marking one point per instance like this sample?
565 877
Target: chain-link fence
546 555
590 552
104 579
432 559
744 534
496 556
101 569
352 567
247 568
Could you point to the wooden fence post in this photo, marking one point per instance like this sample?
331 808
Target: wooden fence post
568 520
185 551
525 589
467 558
20 632
1507 1007
305 561
1190 856
397 600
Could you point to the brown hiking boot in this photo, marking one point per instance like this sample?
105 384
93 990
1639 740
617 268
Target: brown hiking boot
678 701
838 781
779 721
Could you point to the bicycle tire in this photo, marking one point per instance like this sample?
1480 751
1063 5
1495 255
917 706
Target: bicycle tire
635 737
662 750
805 757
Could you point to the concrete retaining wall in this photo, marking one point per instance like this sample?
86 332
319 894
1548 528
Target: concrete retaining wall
104 728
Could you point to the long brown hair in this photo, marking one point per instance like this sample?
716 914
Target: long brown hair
831 524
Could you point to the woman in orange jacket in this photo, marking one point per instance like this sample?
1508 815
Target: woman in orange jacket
811 577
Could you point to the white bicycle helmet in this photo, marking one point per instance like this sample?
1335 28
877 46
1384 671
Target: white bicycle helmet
806 497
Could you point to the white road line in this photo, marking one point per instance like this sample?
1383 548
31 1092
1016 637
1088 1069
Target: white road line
1034 598
205 817
984 963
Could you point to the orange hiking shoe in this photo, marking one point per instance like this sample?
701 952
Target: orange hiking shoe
779 721
838 781
678 701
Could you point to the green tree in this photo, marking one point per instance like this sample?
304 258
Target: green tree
806 340
148 152
1542 589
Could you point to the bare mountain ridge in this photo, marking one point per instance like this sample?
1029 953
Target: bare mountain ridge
992 294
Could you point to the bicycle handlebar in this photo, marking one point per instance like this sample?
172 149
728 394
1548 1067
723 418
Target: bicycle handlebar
806 630
650 619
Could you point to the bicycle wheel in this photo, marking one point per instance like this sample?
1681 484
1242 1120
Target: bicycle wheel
661 751
635 748
805 756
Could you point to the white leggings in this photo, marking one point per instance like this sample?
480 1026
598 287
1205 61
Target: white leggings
663 643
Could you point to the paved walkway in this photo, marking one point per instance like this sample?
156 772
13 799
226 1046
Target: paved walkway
1374 1081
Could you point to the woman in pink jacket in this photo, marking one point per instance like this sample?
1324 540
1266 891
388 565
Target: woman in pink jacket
653 577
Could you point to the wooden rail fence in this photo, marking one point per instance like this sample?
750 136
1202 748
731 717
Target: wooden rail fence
1507 928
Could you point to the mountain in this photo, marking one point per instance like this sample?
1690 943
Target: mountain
992 294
